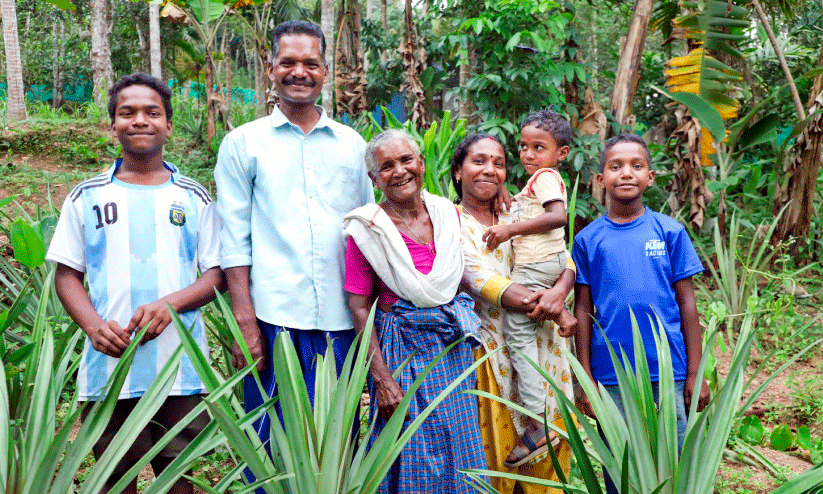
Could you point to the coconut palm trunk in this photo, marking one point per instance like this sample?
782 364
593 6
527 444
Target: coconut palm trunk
327 26
16 109
102 74
154 39
58 50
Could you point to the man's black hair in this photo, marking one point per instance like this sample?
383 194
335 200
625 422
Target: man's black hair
460 156
297 27
613 141
140 79
553 123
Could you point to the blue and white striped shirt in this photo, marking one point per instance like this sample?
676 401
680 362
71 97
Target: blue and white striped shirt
136 244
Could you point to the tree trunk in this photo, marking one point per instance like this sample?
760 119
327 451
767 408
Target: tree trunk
593 121
688 182
817 86
226 49
798 105
102 74
800 178
210 97
16 109
260 85
370 8
465 103
414 63
350 75
327 26
467 106
628 66
145 50
154 40
58 47
570 86
384 23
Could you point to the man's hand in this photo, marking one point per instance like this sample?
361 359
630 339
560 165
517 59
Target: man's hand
254 340
388 395
109 338
496 235
702 398
156 313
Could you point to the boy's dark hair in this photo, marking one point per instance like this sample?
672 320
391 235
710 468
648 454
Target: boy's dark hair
460 156
140 79
613 141
553 123
297 27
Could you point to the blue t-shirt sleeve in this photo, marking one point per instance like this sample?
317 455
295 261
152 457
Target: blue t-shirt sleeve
581 260
684 259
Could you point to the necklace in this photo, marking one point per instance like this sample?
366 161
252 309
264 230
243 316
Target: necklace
429 245
470 215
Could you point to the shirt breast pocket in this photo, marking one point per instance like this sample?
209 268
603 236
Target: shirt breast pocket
341 189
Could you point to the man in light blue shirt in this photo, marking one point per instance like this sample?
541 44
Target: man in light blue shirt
284 183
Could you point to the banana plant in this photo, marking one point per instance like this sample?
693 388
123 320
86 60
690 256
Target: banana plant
206 17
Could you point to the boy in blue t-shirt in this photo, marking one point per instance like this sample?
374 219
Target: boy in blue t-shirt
634 258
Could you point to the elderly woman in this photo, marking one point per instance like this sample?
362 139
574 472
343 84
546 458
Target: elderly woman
406 253
478 169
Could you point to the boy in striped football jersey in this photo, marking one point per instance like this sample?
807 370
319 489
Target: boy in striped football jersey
140 232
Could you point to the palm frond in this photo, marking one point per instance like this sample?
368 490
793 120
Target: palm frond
716 27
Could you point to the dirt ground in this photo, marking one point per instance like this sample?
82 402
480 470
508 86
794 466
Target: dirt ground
776 400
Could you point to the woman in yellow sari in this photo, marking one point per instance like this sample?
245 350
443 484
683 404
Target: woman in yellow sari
478 169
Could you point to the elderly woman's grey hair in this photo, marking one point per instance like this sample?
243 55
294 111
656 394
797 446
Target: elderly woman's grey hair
382 138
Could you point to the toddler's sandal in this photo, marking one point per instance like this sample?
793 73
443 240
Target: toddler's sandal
529 450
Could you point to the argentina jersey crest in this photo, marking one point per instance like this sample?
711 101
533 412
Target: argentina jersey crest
177 214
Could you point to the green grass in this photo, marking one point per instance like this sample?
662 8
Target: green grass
807 396
732 481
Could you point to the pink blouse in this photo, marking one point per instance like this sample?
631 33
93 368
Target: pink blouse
361 278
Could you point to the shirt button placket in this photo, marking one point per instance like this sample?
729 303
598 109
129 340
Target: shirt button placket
310 172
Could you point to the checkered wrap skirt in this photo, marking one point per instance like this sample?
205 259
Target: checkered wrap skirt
449 439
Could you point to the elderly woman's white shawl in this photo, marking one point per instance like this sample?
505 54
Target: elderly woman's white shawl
380 241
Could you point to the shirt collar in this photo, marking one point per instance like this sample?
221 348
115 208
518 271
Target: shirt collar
175 172
278 119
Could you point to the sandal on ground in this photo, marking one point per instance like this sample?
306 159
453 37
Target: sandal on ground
529 450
